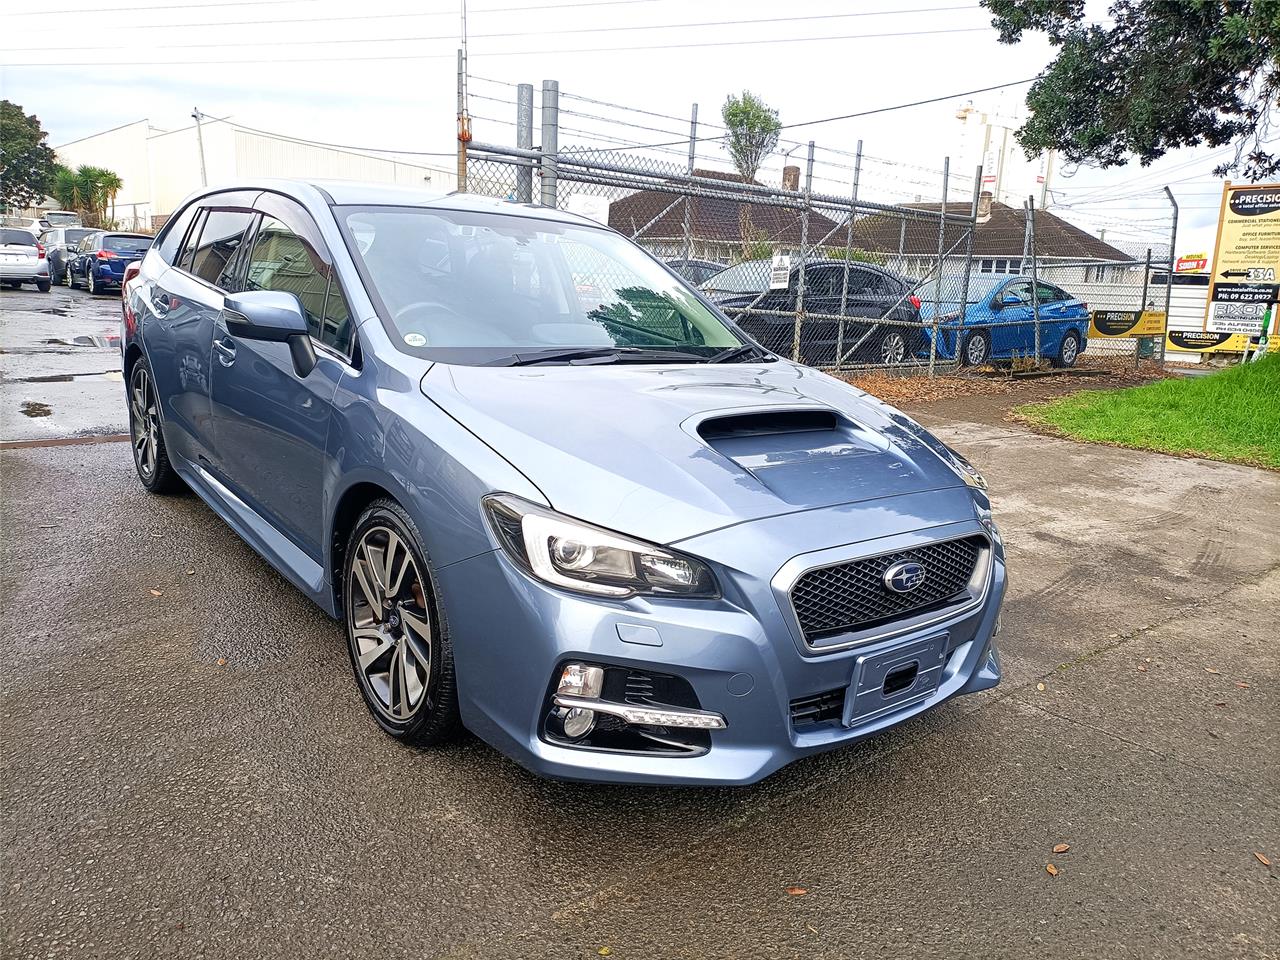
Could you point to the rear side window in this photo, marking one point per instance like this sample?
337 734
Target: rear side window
19 237
118 244
175 231
214 256
75 236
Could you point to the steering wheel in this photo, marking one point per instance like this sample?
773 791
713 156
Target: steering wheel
442 325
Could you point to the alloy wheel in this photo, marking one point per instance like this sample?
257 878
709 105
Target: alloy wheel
893 349
93 287
1069 350
976 350
144 422
389 624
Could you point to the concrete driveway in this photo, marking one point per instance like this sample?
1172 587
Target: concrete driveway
193 773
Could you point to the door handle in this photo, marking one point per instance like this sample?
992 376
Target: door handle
226 351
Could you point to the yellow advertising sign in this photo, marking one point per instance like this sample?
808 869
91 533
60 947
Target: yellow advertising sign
1243 287
1126 323
1202 341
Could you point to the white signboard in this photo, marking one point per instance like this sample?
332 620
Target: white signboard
780 275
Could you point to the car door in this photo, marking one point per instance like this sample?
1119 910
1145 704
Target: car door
270 425
182 305
1013 330
1055 317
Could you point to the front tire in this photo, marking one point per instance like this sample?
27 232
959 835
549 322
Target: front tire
397 637
977 348
70 278
150 456
1069 352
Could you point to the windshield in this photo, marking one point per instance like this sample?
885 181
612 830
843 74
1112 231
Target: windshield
20 237
750 276
980 288
75 236
469 287
126 244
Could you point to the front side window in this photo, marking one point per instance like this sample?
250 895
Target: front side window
470 287
213 258
1019 290
282 260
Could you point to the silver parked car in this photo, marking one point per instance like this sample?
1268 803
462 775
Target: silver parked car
22 259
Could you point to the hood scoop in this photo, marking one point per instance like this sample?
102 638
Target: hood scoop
804 456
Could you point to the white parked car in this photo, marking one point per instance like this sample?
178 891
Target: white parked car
22 259
32 225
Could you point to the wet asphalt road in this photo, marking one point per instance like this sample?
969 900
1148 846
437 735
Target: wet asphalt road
194 774
60 364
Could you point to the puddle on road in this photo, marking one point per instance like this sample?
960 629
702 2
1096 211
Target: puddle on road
72 377
33 408
110 342
57 311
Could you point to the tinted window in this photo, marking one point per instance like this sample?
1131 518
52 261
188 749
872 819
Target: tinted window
119 244
1021 289
20 237
174 233
214 257
282 260
1046 293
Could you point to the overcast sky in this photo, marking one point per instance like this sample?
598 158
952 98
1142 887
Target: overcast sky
381 73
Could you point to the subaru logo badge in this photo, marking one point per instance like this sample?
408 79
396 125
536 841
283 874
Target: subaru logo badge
904 577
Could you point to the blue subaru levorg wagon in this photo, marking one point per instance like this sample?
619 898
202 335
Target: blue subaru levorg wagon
552 494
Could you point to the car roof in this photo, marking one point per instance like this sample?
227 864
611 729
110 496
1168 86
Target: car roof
367 193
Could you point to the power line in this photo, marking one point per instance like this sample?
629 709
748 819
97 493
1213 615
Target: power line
520 53
383 16
915 103
170 6
519 33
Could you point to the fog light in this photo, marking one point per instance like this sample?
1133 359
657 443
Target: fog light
581 680
577 723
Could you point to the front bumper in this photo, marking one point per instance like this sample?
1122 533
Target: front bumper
741 654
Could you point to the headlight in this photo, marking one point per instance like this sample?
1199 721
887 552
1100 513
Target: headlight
968 472
577 556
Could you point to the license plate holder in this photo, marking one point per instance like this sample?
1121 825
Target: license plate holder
866 699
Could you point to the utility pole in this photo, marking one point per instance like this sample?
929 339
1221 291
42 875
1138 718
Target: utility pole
197 116
1048 172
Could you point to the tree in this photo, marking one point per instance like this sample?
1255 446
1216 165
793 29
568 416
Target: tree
753 133
87 189
1156 76
26 159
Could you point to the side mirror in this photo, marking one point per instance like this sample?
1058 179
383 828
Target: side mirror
274 316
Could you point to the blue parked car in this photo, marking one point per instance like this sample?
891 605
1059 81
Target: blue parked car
550 492
99 260
998 321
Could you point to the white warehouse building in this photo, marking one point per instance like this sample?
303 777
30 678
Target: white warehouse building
159 168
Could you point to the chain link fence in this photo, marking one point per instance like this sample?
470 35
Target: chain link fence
836 281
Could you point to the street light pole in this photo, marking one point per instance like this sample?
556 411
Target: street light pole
197 116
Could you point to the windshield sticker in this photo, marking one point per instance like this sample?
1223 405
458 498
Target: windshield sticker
415 339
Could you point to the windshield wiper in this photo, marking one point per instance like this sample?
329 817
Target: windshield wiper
601 355
747 351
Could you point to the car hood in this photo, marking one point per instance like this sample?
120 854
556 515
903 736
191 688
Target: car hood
665 453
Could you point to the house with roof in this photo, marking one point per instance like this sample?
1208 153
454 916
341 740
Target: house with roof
656 219
1064 252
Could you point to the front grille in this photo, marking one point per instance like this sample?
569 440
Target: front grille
852 595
